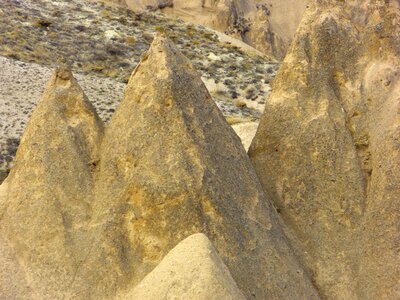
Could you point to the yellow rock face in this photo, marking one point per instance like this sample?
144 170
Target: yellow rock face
267 25
326 149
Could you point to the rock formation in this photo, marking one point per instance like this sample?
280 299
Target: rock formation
192 270
173 167
231 70
45 202
273 25
327 147
87 216
267 25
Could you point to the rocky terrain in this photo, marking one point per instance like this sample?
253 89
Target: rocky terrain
108 40
103 44
153 196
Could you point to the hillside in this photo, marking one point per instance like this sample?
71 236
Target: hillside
105 41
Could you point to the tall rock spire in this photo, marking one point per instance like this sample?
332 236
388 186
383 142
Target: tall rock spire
326 149
170 167
45 201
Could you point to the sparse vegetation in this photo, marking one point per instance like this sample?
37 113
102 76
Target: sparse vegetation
78 34
234 120
130 40
97 39
240 104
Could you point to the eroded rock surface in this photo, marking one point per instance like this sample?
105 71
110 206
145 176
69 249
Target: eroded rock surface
327 146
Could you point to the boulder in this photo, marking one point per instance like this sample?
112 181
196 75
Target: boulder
191 270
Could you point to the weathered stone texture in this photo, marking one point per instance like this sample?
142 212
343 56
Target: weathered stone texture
174 167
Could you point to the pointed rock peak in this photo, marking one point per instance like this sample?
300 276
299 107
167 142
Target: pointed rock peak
192 270
165 89
160 40
61 83
63 110
63 72
168 152
64 96
163 55
162 44
63 69
63 89
63 119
